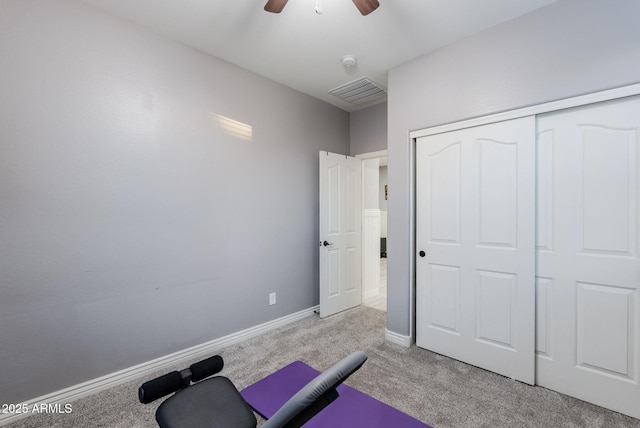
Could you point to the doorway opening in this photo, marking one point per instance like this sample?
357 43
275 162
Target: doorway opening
374 229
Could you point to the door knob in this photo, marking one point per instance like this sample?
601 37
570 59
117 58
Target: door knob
326 244
422 253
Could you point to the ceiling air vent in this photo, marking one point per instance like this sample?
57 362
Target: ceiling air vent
360 91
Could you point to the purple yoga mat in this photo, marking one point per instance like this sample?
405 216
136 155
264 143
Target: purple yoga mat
352 409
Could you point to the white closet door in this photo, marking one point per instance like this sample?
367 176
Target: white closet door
588 273
475 238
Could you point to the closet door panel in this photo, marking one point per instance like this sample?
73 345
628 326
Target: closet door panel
475 224
587 253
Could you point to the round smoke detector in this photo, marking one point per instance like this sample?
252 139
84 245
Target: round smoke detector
349 61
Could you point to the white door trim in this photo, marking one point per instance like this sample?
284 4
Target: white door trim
373 155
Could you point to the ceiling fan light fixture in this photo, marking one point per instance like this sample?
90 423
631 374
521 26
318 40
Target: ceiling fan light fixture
366 6
275 6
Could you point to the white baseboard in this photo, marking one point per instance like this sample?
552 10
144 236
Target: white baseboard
93 386
397 338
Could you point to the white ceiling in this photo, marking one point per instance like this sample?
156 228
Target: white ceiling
302 49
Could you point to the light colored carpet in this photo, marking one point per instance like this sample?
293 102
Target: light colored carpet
437 390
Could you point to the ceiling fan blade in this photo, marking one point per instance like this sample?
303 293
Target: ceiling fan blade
366 6
275 6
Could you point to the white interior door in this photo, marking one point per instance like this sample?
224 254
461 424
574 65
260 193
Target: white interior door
588 274
340 233
475 226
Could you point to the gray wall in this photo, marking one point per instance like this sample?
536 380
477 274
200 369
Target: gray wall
369 130
569 48
131 224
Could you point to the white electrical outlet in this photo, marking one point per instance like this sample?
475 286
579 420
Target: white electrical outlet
272 298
